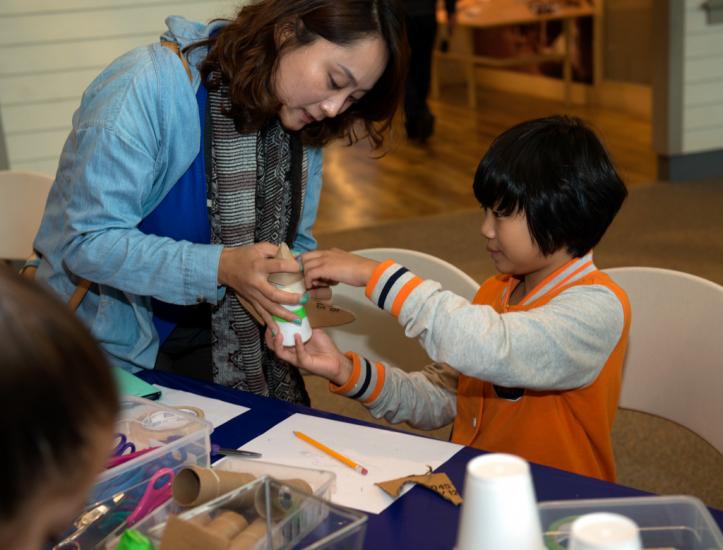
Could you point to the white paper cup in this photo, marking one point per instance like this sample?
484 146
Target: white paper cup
288 330
499 510
604 531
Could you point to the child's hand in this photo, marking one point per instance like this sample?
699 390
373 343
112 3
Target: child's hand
322 267
319 355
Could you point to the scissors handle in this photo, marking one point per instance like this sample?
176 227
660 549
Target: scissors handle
123 445
157 492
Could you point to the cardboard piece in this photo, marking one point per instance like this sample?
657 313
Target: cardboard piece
250 536
184 535
196 485
439 483
227 524
285 279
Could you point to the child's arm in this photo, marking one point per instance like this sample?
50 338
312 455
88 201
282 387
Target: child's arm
336 266
561 345
427 400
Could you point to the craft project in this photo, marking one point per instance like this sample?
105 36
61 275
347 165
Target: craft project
316 314
294 283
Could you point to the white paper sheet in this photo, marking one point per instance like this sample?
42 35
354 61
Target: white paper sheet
216 411
387 455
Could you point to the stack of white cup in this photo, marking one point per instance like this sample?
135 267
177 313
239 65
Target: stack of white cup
500 509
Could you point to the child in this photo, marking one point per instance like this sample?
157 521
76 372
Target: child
58 402
536 358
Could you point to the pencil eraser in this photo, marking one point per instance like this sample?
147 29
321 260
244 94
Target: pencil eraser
364 471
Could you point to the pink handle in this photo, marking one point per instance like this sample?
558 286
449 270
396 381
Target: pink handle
157 492
118 460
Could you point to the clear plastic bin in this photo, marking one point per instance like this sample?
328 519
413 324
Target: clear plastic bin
182 439
669 522
293 519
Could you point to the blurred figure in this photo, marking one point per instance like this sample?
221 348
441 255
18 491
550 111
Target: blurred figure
421 33
58 401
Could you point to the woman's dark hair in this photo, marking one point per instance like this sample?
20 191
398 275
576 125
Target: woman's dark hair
55 387
558 173
245 54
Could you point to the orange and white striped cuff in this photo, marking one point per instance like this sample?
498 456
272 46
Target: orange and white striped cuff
365 382
390 285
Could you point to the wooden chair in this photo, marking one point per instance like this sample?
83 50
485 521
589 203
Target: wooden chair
22 202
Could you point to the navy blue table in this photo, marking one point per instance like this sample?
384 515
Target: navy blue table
430 521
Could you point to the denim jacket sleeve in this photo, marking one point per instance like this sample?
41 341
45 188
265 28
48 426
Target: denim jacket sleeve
305 241
133 137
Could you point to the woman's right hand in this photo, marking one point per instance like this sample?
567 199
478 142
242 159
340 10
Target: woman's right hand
318 356
246 270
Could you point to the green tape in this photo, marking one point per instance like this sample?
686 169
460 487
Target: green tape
300 313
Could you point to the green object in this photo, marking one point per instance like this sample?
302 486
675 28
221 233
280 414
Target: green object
134 540
300 313
130 384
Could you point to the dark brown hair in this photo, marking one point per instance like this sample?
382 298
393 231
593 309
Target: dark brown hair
245 54
55 387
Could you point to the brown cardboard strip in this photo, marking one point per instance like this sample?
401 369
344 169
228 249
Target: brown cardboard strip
439 483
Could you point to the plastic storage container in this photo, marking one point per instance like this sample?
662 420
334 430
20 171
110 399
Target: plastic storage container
292 519
669 522
182 439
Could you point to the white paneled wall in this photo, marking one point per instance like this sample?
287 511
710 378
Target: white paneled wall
702 104
50 50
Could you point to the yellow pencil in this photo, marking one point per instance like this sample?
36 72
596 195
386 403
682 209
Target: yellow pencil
332 453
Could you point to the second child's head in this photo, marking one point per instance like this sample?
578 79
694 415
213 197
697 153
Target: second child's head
549 191
58 403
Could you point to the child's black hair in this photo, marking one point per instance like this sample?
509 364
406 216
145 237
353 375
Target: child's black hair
55 386
558 173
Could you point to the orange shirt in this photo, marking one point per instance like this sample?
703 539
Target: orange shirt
569 429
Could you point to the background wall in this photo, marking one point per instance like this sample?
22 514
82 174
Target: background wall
702 101
50 51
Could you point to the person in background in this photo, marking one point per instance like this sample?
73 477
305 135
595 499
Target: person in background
421 34
58 401
533 365
191 159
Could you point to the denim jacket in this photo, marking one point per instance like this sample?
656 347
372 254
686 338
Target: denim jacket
135 133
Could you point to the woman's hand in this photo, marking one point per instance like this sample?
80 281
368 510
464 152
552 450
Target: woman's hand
318 356
246 269
323 267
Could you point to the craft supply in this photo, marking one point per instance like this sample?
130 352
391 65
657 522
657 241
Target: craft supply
123 444
181 534
280 498
604 531
500 509
217 449
294 283
439 483
133 540
118 460
195 485
249 536
227 524
332 453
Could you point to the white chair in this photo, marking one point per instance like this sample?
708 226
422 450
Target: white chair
375 333
674 364
22 202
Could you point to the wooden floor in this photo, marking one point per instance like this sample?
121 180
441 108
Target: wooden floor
412 180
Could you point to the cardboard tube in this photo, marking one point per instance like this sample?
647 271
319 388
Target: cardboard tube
281 499
195 485
250 536
184 535
227 524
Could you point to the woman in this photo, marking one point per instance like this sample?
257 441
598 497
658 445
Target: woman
55 378
163 195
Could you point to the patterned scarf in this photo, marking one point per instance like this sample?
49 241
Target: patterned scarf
257 185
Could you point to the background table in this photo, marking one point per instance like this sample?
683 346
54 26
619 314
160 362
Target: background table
489 14
419 519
